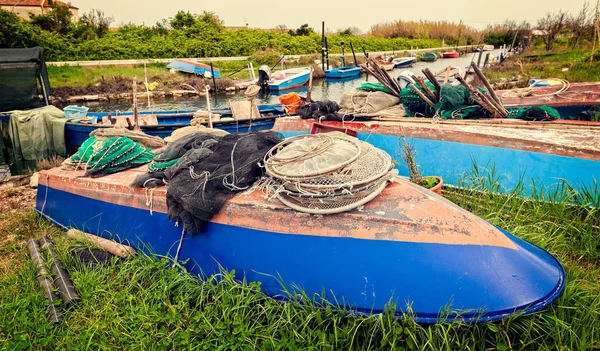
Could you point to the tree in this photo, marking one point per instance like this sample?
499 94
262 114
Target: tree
57 20
304 30
550 25
182 20
580 25
97 21
211 19
355 31
281 28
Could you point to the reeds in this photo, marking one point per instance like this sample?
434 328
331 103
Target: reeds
425 30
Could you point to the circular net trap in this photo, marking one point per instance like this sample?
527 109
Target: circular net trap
327 173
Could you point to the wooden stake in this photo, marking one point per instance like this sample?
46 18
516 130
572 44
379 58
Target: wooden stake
430 94
136 117
146 82
310 80
207 89
108 245
431 77
486 83
418 92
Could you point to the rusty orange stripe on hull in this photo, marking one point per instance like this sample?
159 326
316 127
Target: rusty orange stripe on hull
403 212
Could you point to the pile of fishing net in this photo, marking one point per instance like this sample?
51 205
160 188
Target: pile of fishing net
99 156
202 171
455 102
321 110
327 173
363 105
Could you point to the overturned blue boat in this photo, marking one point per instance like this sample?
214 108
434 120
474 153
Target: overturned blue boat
408 246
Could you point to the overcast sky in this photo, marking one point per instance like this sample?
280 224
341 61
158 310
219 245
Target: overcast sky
336 14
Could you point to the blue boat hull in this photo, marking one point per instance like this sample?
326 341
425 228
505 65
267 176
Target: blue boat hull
343 72
365 275
168 121
499 160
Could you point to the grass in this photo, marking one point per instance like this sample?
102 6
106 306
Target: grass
82 76
570 64
143 304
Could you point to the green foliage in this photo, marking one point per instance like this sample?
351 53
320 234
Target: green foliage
96 21
205 37
304 30
182 20
57 20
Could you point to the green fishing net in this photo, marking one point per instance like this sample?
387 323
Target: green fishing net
111 155
456 103
368 86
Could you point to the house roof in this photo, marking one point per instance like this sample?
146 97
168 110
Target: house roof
30 3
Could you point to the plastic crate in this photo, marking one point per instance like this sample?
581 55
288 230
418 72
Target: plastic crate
75 112
317 128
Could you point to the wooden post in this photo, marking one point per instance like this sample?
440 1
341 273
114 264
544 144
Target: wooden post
421 95
310 81
354 55
207 89
323 45
430 94
212 72
136 117
327 52
431 77
108 245
486 83
146 82
343 58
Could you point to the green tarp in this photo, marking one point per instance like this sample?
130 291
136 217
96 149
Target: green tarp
37 133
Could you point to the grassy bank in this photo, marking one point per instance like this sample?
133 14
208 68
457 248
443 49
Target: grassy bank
144 304
564 63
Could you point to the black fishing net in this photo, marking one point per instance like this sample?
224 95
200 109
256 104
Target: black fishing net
198 190
182 152
319 110
203 171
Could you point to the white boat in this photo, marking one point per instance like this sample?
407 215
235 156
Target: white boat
289 78
488 47
447 74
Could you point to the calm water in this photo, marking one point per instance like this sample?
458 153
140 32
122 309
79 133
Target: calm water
322 90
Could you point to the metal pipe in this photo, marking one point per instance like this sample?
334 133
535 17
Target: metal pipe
353 55
54 316
64 284
323 46
212 72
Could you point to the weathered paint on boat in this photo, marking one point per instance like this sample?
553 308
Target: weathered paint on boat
77 133
578 98
343 72
408 246
543 156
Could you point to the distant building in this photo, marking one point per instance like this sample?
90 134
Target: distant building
38 7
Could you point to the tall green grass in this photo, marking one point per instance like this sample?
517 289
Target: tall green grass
143 304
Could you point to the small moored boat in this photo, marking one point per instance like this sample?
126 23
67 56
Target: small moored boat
386 65
451 54
343 72
402 62
197 68
289 78
429 57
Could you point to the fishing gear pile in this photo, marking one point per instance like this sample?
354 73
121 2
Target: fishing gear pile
188 149
202 172
99 157
327 173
